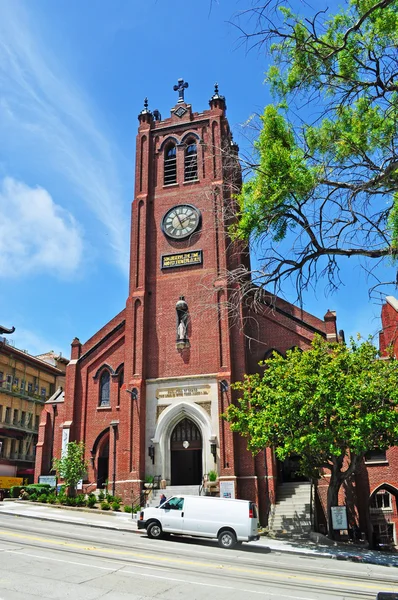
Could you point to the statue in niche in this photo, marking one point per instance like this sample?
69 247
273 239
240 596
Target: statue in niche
182 324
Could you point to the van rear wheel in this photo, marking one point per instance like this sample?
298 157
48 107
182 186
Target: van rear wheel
154 531
227 539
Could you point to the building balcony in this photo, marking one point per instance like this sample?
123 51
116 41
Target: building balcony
17 426
16 456
13 390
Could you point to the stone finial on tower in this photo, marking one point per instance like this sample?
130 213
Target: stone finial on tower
180 87
145 115
217 100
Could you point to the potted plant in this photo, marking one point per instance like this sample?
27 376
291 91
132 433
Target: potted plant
211 480
148 481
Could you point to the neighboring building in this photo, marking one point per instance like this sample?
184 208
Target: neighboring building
26 383
146 392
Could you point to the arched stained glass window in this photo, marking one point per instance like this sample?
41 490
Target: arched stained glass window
104 394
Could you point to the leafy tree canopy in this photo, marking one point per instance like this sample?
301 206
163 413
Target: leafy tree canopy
330 405
325 172
71 467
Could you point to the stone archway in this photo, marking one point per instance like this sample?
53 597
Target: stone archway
166 424
186 453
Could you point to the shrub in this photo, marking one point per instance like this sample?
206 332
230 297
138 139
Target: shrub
105 506
42 498
115 505
15 491
70 501
33 497
80 500
127 508
61 499
91 501
101 496
51 498
109 498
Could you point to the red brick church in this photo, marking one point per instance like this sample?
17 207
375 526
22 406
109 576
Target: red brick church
145 392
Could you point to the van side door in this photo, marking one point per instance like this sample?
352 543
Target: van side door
173 517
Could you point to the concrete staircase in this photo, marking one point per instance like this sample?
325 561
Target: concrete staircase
291 515
175 490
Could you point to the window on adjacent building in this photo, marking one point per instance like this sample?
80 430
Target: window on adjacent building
43 392
37 418
8 415
191 162
375 455
381 500
16 381
2 447
104 389
30 420
1 412
1 378
23 418
170 165
22 385
30 387
15 417
9 382
20 447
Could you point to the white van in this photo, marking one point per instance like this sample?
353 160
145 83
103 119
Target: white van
230 521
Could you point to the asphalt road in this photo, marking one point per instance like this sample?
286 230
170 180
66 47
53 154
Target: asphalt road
61 560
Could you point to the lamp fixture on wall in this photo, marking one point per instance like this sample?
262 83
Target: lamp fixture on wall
151 453
134 393
213 448
224 386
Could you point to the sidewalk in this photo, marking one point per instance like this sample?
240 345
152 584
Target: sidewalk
125 522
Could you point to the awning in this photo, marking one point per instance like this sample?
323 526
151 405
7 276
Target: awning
25 472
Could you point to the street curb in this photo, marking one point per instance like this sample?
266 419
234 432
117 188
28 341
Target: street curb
343 557
93 525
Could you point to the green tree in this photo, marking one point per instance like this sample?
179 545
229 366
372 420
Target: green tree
329 405
71 467
324 181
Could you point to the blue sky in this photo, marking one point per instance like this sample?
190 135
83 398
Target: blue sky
73 76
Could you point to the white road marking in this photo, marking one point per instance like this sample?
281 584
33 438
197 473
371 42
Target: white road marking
214 585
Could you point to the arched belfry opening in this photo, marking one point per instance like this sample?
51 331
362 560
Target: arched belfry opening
186 453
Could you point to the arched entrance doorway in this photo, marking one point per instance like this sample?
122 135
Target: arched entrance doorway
186 453
103 463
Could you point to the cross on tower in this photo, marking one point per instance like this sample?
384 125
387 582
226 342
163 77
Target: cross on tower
182 85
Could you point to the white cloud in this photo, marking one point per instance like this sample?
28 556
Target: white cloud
41 108
36 235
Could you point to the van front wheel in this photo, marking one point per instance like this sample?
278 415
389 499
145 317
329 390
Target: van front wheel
154 531
227 539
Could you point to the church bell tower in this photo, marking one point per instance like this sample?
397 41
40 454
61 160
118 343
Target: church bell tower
181 352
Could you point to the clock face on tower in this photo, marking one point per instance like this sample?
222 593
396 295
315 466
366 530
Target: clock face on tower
181 221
